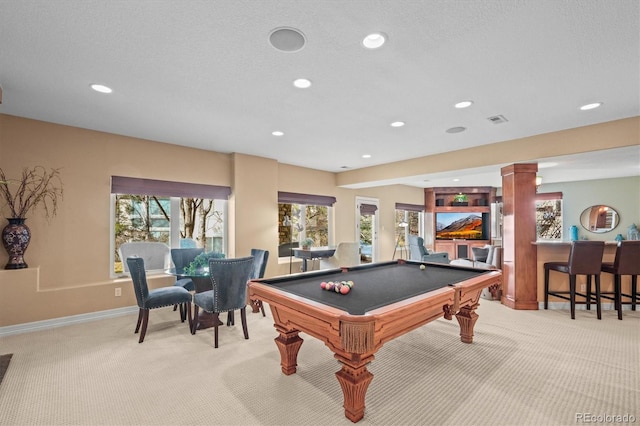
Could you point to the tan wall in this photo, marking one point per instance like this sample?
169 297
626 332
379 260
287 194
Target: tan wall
69 268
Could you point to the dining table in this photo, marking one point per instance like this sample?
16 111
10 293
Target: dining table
312 253
201 282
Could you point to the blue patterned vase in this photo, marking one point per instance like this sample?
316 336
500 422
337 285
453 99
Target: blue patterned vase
15 238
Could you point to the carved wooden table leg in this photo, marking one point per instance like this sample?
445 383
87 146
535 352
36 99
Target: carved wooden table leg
256 305
288 343
467 318
354 379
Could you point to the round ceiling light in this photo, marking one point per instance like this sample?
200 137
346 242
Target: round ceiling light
397 124
101 88
456 129
374 40
302 83
287 39
590 106
277 133
464 104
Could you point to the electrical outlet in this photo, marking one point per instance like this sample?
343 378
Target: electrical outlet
583 287
118 291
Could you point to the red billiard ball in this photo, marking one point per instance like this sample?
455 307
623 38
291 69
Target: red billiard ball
345 289
323 285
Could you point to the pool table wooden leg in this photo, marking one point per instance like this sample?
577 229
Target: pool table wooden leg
467 318
288 343
354 379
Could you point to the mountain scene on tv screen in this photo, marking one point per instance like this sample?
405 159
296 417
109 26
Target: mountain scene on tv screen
467 228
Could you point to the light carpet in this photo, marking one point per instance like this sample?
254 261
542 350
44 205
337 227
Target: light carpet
524 368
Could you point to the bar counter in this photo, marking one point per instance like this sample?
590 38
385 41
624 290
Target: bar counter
558 251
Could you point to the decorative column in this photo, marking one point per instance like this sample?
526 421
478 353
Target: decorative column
519 283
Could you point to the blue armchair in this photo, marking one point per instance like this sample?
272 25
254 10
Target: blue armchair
417 251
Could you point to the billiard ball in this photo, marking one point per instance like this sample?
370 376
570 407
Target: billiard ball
345 289
422 267
323 285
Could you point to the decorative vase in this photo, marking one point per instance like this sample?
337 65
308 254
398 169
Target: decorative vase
15 238
574 232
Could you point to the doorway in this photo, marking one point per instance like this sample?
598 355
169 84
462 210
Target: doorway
367 228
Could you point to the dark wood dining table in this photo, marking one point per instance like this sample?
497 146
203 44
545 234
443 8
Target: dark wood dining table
312 253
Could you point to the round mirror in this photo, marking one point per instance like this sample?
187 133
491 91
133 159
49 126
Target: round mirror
599 219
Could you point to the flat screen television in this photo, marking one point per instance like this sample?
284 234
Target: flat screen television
462 226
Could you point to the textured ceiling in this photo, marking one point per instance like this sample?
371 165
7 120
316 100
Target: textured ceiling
203 74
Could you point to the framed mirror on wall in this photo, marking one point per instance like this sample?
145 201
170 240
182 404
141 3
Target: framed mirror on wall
599 219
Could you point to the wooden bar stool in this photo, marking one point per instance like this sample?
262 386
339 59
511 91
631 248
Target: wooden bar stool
626 262
585 258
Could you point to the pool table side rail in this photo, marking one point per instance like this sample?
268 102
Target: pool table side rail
343 332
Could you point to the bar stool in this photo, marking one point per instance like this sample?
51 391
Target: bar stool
626 262
585 258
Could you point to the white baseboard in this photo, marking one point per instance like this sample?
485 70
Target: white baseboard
60 322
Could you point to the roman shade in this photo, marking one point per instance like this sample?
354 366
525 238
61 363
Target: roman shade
308 199
162 188
410 207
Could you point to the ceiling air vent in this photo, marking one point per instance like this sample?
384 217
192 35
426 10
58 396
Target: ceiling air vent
497 119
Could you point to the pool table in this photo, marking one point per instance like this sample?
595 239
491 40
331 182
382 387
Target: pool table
388 299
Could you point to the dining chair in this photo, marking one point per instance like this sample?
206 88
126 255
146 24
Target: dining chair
346 254
181 258
156 298
626 262
229 281
155 254
585 258
260 258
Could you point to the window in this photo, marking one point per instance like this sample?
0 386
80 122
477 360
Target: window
410 215
549 216
177 214
302 216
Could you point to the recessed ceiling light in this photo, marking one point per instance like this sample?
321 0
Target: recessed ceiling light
456 129
374 40
397 124
302 83
590 106
101 88
287 39
456 180
277 133
464 104
366 156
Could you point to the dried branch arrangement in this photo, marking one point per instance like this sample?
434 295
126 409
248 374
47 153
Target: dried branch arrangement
37 186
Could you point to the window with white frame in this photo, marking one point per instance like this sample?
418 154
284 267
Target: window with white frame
302 217
174 213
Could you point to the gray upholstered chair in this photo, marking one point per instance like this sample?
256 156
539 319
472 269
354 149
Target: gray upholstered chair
229 280
346 254
417 251
156 298
260 258
154 254
181 258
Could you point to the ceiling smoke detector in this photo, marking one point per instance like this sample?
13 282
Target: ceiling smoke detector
497 119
